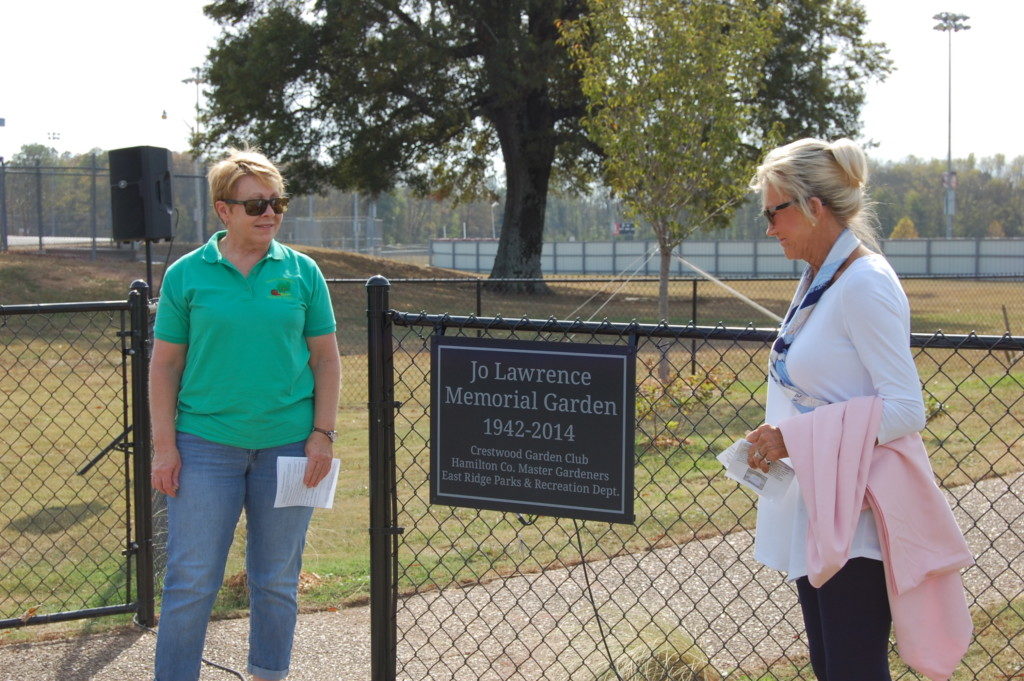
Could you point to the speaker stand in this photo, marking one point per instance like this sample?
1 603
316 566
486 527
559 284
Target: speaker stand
149 267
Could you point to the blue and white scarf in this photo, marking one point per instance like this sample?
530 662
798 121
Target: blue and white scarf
808 293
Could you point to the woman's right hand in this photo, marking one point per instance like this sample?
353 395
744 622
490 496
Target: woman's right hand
768 445
166 466
164 381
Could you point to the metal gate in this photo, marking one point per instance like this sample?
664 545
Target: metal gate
462 593
75 510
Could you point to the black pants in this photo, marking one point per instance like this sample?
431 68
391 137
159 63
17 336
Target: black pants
848 623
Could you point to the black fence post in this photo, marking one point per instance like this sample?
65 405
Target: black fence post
95 207
693 320
383 533
3 204
138 302
39 202
203 201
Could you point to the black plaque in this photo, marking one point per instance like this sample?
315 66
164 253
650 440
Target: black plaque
533 427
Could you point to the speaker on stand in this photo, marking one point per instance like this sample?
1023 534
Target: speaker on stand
141 207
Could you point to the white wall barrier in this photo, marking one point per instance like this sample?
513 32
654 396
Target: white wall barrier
741 258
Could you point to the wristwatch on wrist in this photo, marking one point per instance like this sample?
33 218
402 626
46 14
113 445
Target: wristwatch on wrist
332 435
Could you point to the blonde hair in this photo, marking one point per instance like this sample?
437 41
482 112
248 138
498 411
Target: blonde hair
835 172
225 174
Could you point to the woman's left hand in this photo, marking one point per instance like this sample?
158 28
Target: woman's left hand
319 452
768 446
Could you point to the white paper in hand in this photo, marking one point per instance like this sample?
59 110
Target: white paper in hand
771 485
291 491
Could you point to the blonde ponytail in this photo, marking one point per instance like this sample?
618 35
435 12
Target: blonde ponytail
836 172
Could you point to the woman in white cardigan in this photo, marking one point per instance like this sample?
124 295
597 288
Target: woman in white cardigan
846 335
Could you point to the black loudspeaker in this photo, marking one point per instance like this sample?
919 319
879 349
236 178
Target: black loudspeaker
140 193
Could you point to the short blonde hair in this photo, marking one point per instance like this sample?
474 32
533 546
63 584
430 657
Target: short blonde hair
225 174
836 172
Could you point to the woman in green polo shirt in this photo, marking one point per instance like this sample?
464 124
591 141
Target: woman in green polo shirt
245 369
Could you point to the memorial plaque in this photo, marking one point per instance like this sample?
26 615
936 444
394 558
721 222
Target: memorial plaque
533 427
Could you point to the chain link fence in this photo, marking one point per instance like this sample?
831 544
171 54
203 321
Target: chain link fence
990 306
483 594
69 207
73 526
467 594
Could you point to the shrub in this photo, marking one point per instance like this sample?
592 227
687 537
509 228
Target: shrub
682 395
660 655
904 229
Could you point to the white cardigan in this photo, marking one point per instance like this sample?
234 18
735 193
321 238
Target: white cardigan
856 343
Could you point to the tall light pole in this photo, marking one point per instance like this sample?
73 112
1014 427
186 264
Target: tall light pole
950 23
199 215
197 78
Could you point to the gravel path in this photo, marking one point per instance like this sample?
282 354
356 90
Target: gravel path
328 645
542 626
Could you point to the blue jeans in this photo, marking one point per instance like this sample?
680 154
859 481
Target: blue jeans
216 482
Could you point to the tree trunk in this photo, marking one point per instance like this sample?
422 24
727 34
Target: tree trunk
665 265
528 154
528 96
666 262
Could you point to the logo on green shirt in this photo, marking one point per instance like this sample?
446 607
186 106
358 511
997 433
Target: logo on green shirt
281 287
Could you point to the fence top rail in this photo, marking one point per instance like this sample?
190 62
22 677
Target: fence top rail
586 279
84 170
647 279
418 280
970 341
765 335
443 321
76 170
52 308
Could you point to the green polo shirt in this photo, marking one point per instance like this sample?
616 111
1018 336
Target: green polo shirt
247 381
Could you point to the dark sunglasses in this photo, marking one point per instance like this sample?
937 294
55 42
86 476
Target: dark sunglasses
256 207
769 213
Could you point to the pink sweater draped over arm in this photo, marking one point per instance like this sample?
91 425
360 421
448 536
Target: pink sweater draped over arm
841 471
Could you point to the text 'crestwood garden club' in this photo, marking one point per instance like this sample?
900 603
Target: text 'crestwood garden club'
533 426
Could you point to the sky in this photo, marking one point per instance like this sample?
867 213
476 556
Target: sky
80 75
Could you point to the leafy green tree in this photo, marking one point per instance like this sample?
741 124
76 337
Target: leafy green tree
670 86
362 94
38 154
819 66
369 94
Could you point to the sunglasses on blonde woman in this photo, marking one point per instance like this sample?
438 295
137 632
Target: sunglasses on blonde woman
769 213
259 206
